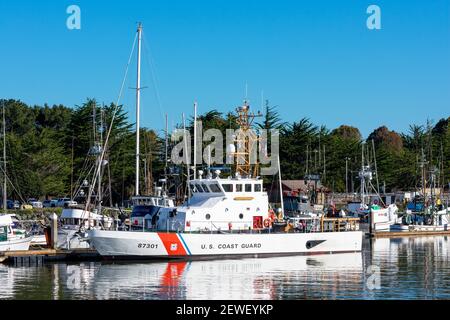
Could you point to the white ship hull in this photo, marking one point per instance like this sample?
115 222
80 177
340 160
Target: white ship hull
15 244
424 228
148 245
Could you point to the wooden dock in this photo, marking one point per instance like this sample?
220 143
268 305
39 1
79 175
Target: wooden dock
36 257
401 234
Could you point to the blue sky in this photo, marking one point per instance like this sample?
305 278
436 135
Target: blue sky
314 59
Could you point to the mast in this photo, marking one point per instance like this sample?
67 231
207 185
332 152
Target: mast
138 102
186 156
4 160
167 145
363 180
280 185
99 192
245 140
422 169
195 140
376 169
71 172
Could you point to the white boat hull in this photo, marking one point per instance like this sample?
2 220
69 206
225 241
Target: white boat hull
383 219
15 244
384 226
423 228
71 239
125 244
39 240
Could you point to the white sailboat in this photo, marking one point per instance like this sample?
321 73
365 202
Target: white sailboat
144 205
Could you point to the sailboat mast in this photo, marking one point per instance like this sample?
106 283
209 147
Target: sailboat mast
363 179
99 192
186 157
4 160
138 105
166 145
280 185
195 140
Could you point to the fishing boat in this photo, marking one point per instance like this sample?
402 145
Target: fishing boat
425 214
148 205
76 219
73 224
229 217
10 238
381 217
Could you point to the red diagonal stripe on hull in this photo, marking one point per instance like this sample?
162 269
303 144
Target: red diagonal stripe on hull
172 243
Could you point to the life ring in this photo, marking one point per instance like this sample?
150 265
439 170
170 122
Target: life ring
267 223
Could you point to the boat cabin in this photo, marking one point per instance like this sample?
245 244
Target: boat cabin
152 201
72 218
5 227
217 204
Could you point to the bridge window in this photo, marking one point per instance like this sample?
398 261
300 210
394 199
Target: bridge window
205 188
227 187
214 187
194 188
199 188
239 188
248 188
258 187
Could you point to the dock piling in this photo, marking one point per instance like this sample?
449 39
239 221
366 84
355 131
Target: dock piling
54 231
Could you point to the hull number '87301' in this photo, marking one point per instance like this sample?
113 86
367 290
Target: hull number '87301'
147 245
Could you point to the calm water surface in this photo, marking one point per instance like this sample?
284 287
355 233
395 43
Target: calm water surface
406 268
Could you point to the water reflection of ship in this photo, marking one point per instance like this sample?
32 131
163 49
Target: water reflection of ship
229 279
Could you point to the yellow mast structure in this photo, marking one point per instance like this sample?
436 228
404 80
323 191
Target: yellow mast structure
247 142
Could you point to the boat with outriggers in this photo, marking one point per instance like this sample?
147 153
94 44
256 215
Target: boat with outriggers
229 217
425 214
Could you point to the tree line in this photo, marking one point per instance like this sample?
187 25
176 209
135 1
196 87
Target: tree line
47 148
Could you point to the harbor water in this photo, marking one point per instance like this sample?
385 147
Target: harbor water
401 268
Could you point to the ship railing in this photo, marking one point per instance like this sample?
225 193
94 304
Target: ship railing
223 227
319 224
323 224
313 224
339 224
